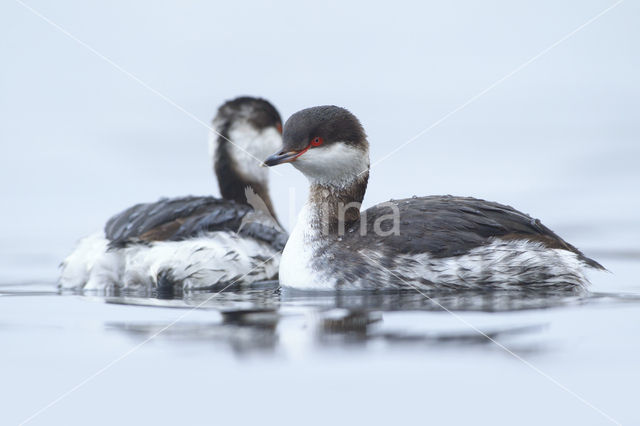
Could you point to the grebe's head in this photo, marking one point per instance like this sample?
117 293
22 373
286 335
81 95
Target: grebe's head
327 144
247 129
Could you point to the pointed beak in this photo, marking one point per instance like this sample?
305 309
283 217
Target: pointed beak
281 158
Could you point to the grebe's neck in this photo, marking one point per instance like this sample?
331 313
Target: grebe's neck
331 209
232 182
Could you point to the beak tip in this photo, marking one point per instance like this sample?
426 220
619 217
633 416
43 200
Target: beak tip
279 158
270 161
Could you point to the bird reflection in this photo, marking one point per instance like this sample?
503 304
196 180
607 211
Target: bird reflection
241 332
260 320
490 301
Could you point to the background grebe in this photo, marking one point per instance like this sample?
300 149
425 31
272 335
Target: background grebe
196 242
441 242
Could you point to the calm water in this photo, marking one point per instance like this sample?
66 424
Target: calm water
81 140
205 357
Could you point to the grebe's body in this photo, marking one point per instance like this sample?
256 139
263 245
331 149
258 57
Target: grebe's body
196 242
436 242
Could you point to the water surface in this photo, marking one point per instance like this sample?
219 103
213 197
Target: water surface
242 355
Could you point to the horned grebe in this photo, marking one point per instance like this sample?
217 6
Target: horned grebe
435 242
196 242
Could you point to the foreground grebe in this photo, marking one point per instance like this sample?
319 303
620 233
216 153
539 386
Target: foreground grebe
196 242
437 242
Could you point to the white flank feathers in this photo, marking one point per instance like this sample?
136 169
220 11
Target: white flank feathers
214 259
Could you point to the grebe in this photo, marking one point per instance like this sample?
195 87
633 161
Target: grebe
434 242
196 242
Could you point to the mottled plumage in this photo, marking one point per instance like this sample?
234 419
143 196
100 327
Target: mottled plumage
428 243
179 219
196 242
445 226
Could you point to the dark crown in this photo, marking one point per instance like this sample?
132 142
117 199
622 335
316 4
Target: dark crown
331 123
259 112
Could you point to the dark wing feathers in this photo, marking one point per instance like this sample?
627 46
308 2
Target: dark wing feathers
447 226
177 219
142 218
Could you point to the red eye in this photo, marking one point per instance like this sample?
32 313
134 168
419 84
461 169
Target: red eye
317 141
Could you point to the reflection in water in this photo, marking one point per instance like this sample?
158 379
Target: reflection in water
355 328
261 319
265 319
241 338
490 301
272 297
248 331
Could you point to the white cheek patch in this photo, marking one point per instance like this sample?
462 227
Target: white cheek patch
337 164
260 144
250 147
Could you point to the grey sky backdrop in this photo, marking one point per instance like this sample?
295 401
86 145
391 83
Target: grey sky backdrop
559 139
